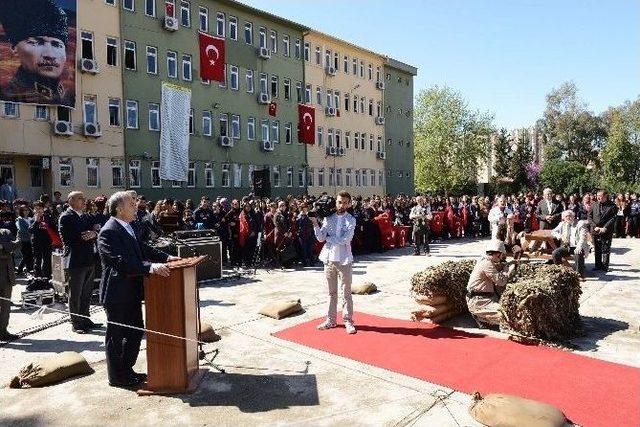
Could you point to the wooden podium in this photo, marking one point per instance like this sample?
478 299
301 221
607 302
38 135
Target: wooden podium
171 307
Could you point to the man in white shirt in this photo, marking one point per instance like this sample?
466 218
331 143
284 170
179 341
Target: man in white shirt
498 216
420 215
337 231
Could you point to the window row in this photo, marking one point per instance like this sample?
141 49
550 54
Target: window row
348 139
336 177
349 102
346 64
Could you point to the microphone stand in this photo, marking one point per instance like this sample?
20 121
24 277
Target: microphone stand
201 353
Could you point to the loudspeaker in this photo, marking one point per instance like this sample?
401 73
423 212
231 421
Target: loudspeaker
261 183
211 268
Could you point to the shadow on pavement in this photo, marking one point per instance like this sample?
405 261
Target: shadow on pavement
595 329
27 421
255 393
58 345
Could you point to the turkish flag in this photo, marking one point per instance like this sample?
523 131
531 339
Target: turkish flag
273 109
306 124
212 62
168 9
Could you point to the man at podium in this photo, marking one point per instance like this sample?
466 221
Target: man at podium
125 261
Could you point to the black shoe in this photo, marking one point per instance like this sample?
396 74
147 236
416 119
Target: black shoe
93 325
80 330
129 382
8 337
138 377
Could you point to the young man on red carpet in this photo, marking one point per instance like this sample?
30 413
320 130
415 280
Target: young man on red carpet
337 231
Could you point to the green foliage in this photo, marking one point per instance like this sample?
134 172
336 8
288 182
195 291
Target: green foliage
566 176
503 155
521 158
451 141
619 156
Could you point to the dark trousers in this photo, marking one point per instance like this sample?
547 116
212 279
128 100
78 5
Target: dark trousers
122 344
248 250
306 249
80 289
5 304
602 249
578 258
421 238
619 228
634 222
42 261
27 257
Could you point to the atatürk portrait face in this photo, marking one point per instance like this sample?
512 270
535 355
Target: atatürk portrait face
42 55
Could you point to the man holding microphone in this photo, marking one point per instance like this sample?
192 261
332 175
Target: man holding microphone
337 231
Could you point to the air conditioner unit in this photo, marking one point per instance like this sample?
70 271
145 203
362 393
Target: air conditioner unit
225 141
382 155
264 53
61 127
89 66
341 151
380 120
330 71
267 145
331 151
92 129
380 85
330 111
264 98
170 23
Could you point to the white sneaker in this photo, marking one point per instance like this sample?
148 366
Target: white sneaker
350 328
327 324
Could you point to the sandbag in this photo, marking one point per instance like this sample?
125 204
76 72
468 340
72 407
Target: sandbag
431 300
207 334
442 317
51 370
281 309
503 410
364 288
449 279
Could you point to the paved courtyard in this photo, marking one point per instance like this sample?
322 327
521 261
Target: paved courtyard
269 381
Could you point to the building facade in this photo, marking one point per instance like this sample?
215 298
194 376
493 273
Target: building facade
398 112
47 148
342 82
231 131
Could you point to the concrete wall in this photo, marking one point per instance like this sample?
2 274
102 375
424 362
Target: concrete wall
356 159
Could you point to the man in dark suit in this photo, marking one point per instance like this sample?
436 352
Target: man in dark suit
78 258
548 211
125 260
602 218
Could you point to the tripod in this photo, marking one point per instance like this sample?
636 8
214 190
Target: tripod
260 258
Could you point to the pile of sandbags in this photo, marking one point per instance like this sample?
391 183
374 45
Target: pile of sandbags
542 302
441 290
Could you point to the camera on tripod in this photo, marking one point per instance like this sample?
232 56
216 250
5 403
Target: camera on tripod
323 207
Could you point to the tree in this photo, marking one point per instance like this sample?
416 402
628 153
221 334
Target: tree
522 157
451 141
619 156
572 132
503 155
567 176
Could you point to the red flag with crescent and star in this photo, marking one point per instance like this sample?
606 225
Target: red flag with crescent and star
212 61
273 109
306 124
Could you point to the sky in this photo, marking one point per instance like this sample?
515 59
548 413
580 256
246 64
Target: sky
503 56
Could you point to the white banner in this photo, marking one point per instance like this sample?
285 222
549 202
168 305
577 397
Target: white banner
174 133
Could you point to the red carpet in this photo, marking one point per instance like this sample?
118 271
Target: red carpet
590 392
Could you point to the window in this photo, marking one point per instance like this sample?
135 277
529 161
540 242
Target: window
114 112
264 130
203 14
248 33
287 89
117 173
86 46
347 178
357 176
371 107
152 60
339 177
327 58
150 8
128 4
288 135
66 172
235 126
191 175
347 101
129 55
355 140
321 177
112 51
380 146
299 92
208 175
263 37
172 66
354 62
329 98
41 112
275 131
362 102
330 142
362 137
363 177
377 74
345 64
233 72
276 176
362 69
372 177
233 28
286 46
36 173
63 113
379 109
301 177
237 175
296 49
336 61
338 137
186 67
206 123
310 173
155 174
176 184
319 137
251 128
132 114
134 173
370 72
263 83
185 14
306 52
355 103
307 94
289 176
224 178
110 2
370 142
220 24
331 177
224 125
318 56
347 139
249 81
380 178
273 36
191 124
89 109
93 172
154 117
319 95
336 99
